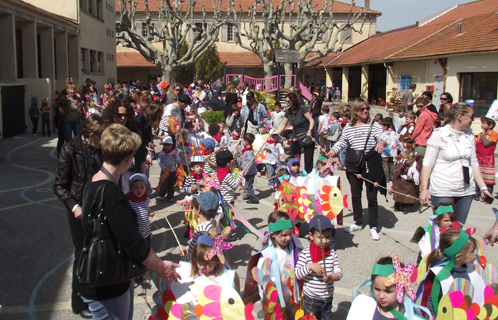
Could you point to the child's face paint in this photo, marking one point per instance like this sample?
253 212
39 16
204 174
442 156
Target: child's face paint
385 296
283 238
138 188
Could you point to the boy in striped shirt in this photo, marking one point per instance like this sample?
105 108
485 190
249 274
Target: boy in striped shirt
310 269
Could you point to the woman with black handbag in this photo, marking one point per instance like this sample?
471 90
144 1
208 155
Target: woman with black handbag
366 141
298 119
115 253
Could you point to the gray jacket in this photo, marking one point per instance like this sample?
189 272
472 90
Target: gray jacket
246 158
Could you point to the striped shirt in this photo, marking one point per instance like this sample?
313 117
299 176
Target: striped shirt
228 186
314 287
207 168
203 227
171 110
142 209
166 160
354 137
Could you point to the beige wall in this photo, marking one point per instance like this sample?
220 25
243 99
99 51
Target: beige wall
65 8
37 87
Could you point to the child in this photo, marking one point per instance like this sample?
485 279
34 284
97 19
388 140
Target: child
294 176
218 136
346 116
207 148
391 150
386 303
206 208
223 177
180 155
249 168
259 140
406 129
213 267
406 177
378 117
277 115
485 150
458 250
399 120
192 137
275 151
197 167
234 140
166 161
140 190
323 129
335 129
318 286
444 217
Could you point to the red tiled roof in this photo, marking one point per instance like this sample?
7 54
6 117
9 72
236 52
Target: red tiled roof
240 59
320 62
437 37
132 59
338 7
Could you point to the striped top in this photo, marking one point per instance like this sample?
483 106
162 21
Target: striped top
171 110
164 160
203 227
314 287
142 209
207 168
354 137
228 186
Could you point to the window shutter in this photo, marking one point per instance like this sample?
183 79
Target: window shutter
224 33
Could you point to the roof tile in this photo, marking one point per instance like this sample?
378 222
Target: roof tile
132 59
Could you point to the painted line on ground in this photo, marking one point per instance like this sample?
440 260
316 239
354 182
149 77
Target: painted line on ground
29 204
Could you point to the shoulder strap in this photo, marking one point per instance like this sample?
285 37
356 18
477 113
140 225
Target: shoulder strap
368 136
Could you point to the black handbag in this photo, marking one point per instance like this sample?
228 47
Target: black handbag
355 159
102 261
302 140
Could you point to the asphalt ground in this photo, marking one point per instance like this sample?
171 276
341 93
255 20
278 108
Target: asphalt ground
36 250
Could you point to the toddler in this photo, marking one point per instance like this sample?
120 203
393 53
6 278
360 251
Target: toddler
399 120
197 167
323 130
207 148
335 129
166 161
217 134
249 168
391 150
180 155
277 115
485 151
274 151
406 129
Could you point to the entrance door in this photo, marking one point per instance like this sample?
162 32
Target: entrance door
13 110
438 89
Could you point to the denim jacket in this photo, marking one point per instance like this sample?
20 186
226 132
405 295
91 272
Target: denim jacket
261 111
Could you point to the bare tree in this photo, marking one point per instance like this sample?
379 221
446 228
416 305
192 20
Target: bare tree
301 30
171 27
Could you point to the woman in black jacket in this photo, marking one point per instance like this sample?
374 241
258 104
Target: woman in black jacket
79 160
230 98
316 111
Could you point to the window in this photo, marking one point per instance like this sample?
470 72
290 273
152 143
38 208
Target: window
82 61
90 7
99 9
404 82
93 61
19 63
230 36
480 87
100 64
346 36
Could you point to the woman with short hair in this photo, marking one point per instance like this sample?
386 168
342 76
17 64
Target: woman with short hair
115 301
451 163
253 114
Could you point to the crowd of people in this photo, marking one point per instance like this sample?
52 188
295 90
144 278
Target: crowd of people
108 144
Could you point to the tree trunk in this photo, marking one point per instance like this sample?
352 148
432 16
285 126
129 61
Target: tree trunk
168 73
288 71
268 69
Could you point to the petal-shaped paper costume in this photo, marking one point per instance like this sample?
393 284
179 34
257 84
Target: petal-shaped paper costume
219 245
401 278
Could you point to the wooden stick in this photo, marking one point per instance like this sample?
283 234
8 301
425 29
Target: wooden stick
177 241
323 254
161 211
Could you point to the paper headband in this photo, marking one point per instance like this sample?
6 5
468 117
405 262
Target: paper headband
443 209
280 225
383 270
457 245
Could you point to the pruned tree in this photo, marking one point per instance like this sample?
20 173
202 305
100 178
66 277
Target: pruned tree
170 26
309 29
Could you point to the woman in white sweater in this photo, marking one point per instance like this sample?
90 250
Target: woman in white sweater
451 157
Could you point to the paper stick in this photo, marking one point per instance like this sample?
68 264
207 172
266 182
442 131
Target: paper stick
323 254
177 241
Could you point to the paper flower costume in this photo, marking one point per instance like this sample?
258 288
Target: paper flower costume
402 277
218 245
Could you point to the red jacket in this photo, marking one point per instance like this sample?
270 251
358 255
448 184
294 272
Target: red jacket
424 127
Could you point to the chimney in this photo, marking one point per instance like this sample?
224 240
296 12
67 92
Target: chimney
367 4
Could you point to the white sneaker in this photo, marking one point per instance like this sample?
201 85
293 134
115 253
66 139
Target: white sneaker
161 198
374 234
352 228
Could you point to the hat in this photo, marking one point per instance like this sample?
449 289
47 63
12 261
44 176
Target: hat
273 131
237 128
208 143
184 98
324 223
195 159
167 140
142 177
224 155
188 125
205 239
208 200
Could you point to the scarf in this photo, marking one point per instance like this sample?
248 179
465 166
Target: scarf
316 252
217 137
221 173
235 138
246 149
170 150
206 152
196 177
134 198
271 142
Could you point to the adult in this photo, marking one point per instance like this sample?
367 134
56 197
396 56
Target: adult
252 114
230 98
34 115
243 92
173 93
444 98
407 97
147 120
79 160
357 136
298 120
431 107
234 120
115 301
120 111
316 111
69 108
451 158
491 237
424 125
216 104
173 110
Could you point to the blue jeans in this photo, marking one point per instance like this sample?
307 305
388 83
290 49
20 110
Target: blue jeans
119 308
342 155
319 308
462 205
315 129
272 170
68 128
249 187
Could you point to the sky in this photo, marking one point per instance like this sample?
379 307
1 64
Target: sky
401 13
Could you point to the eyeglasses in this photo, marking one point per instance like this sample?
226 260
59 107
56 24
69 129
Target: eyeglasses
296 164
420 105
288 101
178 89
364 109
443 99
471 116
121 115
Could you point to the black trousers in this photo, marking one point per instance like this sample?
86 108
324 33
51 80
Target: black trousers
34 121
356 191
308 155
77 235
168 186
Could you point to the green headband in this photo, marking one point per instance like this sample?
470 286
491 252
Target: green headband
443 209
322 158
383 270
457 245
280 225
